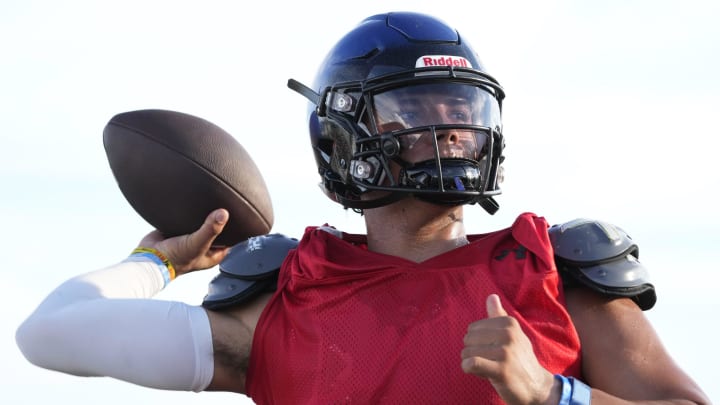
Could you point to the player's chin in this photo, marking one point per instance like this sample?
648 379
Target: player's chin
425 204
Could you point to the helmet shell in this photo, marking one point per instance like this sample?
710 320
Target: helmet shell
387 43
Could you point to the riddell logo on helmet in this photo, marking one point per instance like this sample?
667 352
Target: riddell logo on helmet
442 60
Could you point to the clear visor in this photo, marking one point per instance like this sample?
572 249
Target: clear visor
450 118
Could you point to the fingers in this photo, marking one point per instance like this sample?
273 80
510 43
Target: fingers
494 307
483 350
479 365
487 340
494 329
497 348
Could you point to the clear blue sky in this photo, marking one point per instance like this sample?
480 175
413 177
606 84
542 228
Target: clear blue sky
611 113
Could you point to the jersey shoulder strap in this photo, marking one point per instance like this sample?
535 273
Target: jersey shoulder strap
602 257
251 268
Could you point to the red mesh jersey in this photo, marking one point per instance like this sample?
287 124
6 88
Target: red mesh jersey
350 326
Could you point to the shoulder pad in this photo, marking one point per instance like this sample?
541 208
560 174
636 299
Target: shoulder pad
251 268
603 257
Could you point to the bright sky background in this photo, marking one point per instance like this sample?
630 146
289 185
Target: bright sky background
611 113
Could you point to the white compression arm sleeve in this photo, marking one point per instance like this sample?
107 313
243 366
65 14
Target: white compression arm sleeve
104 323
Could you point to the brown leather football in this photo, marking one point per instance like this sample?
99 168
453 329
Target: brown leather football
174 169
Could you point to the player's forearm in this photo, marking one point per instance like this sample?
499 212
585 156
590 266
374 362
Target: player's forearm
103 324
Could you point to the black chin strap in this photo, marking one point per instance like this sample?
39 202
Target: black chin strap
490 205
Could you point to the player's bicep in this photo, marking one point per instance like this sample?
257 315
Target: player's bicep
232 334
622 354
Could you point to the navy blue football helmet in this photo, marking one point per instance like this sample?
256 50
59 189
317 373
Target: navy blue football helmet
401 106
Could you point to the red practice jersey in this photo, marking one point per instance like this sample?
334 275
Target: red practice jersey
351 326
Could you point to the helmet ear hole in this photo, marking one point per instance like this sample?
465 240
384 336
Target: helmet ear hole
337 148
325 146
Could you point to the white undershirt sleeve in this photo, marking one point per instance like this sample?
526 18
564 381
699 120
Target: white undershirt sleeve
105 323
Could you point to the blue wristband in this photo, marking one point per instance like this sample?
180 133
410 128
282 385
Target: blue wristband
167 277
574 392
566 394
581 393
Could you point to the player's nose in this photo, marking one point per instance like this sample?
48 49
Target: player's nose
450 136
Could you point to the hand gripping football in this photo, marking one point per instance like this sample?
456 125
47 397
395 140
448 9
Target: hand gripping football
174 169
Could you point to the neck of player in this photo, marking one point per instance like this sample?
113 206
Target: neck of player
415 230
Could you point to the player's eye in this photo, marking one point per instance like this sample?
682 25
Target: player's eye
459 116
408 117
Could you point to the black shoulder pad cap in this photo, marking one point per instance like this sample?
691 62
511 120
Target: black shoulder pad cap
250 269
602 257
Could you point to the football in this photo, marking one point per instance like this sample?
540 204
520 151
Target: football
175 168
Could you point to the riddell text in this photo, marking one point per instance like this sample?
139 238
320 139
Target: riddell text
447 61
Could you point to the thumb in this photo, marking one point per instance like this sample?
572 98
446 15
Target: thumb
188 247
194 251
213 226
494 307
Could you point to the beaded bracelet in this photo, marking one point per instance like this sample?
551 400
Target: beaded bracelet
155 255
574 392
